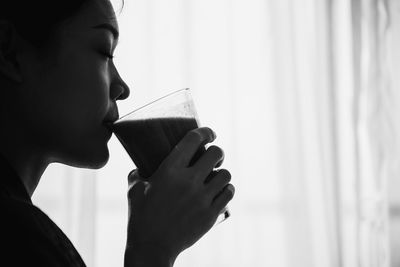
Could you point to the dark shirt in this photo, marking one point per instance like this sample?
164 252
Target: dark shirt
28 237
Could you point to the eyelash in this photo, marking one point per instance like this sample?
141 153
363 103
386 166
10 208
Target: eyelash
107 55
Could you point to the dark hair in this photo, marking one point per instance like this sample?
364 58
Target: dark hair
36 20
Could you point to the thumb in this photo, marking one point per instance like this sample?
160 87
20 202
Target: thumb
133 176
136 194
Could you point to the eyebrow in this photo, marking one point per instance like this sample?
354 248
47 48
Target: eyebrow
108 27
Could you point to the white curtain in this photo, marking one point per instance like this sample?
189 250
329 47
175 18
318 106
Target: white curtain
302 97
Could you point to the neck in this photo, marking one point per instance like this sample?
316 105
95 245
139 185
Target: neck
19 148
29 166
26 158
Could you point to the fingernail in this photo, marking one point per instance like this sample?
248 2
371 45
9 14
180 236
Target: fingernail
214 134
231 188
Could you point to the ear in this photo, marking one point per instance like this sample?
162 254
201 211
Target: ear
9 66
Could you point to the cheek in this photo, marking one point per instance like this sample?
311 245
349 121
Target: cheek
82 113
85 88
72 103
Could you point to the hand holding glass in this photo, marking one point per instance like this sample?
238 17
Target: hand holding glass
149 133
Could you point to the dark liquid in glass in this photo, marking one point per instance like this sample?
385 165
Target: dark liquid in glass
148 142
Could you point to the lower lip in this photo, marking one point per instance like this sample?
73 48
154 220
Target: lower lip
108 125
109 130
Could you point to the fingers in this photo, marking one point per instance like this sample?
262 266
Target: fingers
217 183
136 194
133 176
222 199
209 160
188 146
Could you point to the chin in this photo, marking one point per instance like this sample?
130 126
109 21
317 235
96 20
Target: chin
89 151
96 159
99 160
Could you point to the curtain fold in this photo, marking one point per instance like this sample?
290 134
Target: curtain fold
389 33
374 129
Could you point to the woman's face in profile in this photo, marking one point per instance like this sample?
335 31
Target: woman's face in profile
68 95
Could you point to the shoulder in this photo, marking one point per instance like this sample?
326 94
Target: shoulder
23 242
16 215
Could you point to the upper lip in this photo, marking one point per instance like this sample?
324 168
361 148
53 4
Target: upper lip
112 116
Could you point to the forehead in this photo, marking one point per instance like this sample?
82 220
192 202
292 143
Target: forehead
92 12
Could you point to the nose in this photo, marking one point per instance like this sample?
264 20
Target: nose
119 90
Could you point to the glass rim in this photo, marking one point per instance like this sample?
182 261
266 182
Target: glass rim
152 102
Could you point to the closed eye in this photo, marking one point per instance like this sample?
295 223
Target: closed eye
108 55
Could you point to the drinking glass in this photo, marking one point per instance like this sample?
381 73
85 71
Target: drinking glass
149 133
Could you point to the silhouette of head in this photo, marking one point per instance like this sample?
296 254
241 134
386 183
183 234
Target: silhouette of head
58 80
